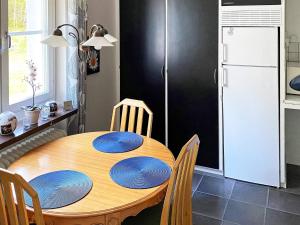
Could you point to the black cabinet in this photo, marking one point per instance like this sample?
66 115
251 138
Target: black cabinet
142 41
192 76
192 73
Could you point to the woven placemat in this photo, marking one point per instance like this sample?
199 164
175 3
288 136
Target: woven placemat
118 142
140 172
60 188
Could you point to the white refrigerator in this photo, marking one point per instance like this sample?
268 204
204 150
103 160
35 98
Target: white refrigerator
250 80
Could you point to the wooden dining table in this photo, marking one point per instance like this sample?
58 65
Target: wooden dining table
107 203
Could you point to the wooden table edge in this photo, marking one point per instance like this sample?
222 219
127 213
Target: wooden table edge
152 199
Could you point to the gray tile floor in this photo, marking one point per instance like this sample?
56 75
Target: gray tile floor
220 201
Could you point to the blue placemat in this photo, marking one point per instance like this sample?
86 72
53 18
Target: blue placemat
59 189
140 172
118 142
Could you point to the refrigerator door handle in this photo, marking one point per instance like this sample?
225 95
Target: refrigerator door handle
224 78
225 53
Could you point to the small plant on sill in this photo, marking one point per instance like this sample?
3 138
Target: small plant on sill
32 112
32 81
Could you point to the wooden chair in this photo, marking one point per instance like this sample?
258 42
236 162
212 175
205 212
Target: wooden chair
14 212
133 125
177 207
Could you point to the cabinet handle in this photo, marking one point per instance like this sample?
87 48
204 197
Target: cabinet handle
225 52
215 76
224 78
162 72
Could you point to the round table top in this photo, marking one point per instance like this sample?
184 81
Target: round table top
77 153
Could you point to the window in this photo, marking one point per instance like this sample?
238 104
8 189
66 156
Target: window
26 22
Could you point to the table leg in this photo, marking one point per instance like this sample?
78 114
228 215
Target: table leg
113 219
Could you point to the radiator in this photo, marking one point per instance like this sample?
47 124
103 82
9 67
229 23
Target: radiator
14 152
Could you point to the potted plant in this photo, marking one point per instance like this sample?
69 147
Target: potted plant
32 112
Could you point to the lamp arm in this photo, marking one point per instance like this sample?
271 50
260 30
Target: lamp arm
70 25
95 26
78 43
76 36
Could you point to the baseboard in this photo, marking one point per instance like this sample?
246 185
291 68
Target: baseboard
207 170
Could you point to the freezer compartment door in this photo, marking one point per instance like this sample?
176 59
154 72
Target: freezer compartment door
251 124
253 46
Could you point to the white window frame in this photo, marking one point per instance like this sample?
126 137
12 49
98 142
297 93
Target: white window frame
49 7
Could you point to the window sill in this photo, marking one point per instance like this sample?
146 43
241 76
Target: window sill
20 133
17 107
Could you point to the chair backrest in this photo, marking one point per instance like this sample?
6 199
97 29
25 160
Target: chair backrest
177 208
133 125
13 210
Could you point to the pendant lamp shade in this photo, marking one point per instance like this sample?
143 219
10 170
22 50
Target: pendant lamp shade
97 42
100 38
55 41
110 38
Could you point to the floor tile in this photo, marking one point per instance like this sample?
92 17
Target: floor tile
196 180
209 205
283 201
250 193
280 218
216 186
203 220
244 213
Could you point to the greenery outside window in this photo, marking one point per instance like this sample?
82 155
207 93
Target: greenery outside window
24 25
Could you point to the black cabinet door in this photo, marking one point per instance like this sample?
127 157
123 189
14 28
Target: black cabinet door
193 89
142 34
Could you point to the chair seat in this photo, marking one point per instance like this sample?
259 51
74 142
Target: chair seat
150 216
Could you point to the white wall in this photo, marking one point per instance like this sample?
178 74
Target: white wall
293 18
293 116
293 137
103 88
60 55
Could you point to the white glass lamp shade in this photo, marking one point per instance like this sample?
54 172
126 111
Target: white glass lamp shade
110 38
55 41
97 42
